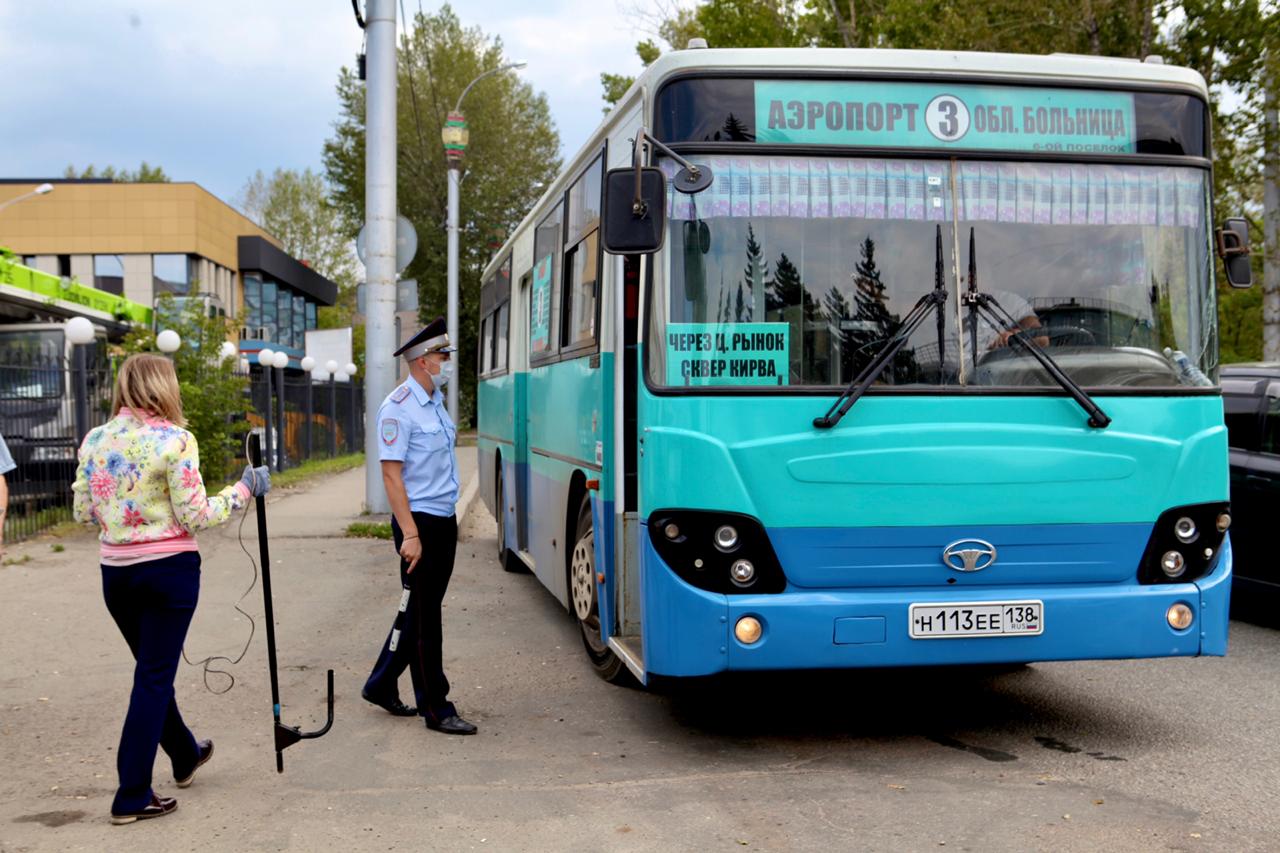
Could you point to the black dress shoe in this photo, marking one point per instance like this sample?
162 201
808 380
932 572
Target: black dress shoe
159 807
204 751
394 707
453 725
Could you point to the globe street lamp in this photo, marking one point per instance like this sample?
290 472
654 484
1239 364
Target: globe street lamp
168 342
43 189
455 137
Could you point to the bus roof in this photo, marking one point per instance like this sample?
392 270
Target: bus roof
997 67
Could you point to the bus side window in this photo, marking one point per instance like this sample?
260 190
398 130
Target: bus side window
486 345
500 336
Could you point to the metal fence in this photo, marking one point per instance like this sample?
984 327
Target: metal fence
318 419
42 417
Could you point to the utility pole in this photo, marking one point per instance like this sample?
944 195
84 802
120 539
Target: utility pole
380 231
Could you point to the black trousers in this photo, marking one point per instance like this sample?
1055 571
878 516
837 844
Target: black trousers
420 648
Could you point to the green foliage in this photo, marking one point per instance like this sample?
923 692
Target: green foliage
144 174
213 394
295 207
369 530
316 468
512 154
1240 324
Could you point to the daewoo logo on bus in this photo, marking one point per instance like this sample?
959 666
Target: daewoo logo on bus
969 555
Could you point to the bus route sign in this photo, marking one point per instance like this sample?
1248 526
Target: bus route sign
728 353
924 115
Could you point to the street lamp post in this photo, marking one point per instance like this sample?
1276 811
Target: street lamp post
455 137
266 359
43 189
308 364
80 332
280 360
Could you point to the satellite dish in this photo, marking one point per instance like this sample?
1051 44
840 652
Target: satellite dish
406 244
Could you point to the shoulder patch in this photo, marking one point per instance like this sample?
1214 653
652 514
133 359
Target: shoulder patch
399 394
390 430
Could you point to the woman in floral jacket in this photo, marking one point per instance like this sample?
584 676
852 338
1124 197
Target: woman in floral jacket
139 481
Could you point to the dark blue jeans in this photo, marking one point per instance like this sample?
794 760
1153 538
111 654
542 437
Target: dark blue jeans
152 604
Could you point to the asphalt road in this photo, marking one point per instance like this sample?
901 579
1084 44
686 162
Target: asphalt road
1152 755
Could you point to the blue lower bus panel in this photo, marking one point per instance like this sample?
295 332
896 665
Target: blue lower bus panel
690 632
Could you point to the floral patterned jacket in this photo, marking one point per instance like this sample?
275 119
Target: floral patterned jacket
139 480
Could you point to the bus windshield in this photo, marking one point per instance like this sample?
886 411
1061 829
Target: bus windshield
794 271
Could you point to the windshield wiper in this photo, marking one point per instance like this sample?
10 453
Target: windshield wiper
986 306
932 300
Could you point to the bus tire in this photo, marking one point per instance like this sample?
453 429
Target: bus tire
583 603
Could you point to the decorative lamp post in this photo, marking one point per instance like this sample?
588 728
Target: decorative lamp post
350 370
228 351
331 367
280 360
455 136
308 364
79 331
266 360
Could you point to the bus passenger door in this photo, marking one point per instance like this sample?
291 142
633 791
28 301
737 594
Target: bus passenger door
521 421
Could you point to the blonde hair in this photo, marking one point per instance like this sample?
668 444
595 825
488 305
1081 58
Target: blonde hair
148 383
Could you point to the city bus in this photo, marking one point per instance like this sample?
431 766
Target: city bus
851 358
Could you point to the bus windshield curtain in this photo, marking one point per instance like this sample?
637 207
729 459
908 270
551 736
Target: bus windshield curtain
919 190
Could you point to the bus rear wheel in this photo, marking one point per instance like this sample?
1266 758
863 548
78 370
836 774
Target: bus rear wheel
584 600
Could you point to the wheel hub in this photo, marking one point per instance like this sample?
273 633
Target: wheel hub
582 576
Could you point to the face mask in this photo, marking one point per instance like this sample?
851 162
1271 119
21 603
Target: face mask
446 373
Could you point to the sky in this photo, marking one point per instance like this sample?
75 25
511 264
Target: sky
212 91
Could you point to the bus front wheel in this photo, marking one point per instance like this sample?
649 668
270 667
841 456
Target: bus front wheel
584 600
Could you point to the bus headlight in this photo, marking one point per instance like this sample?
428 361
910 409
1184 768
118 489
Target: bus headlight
742 572
1173 563
726 537
729 553
1185 543
748 630
1180 617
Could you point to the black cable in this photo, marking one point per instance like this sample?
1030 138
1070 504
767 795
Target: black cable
205 662
355 7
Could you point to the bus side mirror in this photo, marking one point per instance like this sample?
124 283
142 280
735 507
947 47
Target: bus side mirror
1233 248
634 224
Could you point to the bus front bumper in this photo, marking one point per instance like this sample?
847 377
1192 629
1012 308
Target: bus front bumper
690 632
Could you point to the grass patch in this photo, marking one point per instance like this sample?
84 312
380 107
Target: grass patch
17 561
57 547
316 468
369 529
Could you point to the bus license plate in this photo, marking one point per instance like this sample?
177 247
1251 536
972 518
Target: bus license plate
977 619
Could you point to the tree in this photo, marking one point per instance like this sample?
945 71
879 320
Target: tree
295 208
144 174
213 394
512 154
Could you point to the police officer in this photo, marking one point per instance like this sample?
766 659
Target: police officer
420 474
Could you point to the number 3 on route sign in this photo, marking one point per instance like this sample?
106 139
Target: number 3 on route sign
947 118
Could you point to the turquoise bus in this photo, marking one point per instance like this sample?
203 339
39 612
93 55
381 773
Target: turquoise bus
845 358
